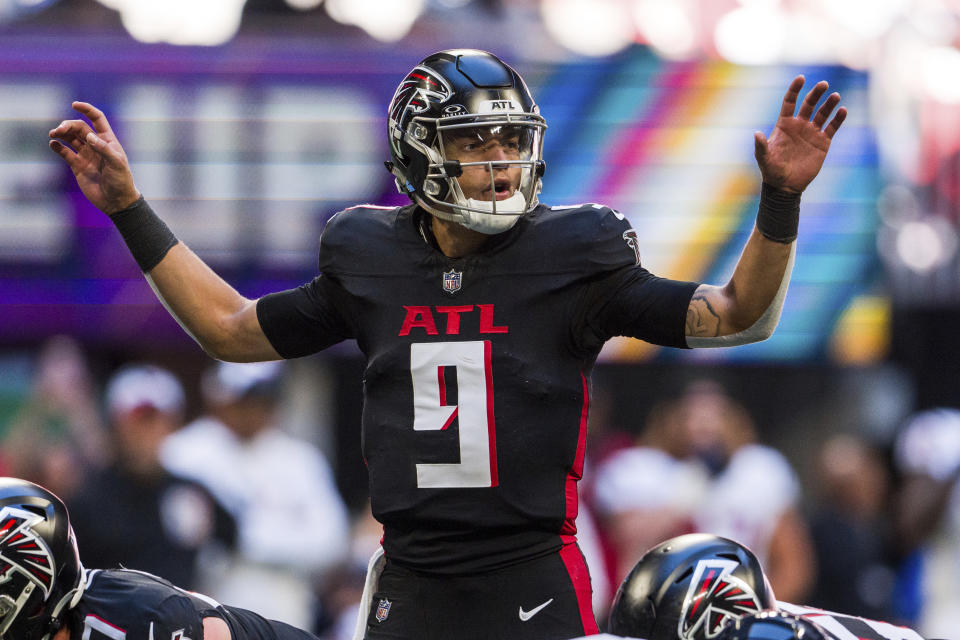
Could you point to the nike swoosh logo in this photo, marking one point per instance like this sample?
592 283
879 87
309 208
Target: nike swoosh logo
526 615
151 631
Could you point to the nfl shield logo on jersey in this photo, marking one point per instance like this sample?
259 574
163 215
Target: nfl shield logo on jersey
452 281
383 609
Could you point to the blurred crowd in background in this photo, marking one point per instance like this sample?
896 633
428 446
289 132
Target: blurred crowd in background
206 482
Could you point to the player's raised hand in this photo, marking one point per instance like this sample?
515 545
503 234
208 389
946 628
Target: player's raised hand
793 154
96 159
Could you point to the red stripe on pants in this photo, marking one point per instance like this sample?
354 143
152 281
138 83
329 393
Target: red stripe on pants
580 577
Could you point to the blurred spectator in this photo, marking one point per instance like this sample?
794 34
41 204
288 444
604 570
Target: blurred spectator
753 496
927 521
646 493
605 438
291 520
605 435
59 432
342 593
851 531
592 546
133 513
697 467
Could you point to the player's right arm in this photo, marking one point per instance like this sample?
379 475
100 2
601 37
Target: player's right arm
221 320
232 623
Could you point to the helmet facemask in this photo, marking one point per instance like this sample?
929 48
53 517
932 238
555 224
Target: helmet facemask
461 149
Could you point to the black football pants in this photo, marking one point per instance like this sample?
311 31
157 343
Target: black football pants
545 598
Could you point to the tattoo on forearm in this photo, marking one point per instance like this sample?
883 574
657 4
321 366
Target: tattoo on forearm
702 319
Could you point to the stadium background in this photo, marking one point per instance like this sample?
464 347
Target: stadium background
265 117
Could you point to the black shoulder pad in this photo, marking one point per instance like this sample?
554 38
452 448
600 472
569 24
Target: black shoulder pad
352 237
588 237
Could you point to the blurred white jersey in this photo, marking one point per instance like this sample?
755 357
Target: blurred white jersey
589 543
930 445
745 501
644 478
292 524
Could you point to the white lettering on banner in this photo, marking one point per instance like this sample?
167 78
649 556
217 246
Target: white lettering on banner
241 166
35 216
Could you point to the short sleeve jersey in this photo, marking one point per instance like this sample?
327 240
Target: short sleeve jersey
122 604
476 385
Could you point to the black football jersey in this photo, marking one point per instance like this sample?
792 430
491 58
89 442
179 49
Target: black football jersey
476 387
122 604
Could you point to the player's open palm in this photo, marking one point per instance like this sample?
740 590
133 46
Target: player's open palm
793 154
96 159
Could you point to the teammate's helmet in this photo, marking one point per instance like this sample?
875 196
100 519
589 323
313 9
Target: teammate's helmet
450 92
688 588
40 572
773 625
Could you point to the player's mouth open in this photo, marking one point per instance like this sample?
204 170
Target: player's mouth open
502 190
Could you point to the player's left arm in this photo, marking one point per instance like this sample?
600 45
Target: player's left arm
748 307
247 625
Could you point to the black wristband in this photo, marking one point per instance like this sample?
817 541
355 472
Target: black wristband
779 215
146 235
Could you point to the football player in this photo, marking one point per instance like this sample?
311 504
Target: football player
480 313
704 587
47 594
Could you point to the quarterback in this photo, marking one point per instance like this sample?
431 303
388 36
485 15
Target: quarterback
480 312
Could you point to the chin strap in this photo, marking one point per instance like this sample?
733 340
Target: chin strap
69 600
515 205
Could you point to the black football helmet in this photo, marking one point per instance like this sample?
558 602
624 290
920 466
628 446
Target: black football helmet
453 91
40 572
688 588
773 625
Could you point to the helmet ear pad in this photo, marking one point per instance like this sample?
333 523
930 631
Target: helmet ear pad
417 166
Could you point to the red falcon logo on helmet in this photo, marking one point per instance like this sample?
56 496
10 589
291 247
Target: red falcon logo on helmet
715 597
421 87
22 551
